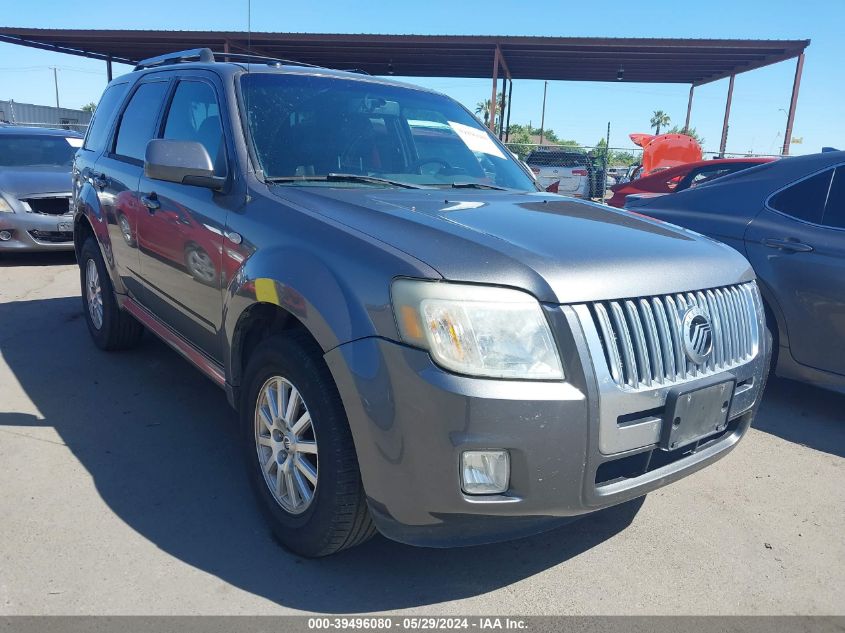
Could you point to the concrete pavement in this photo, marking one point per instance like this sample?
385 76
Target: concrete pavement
122 492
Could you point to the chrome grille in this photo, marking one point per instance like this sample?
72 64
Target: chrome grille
641 337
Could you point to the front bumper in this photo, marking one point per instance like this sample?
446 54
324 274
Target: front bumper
411 421
36 232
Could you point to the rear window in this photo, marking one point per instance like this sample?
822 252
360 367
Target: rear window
706 174
557 159
95 140
37 150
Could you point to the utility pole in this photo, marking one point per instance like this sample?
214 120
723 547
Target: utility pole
543 114
56 83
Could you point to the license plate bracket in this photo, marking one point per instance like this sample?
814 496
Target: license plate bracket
692 414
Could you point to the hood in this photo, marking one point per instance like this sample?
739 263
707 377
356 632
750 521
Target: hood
20 182
560 249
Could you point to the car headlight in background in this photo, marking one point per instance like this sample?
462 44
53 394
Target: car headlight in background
5 207
477 330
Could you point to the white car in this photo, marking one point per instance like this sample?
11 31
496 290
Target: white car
566 172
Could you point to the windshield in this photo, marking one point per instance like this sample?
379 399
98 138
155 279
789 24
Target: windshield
30 151
305 128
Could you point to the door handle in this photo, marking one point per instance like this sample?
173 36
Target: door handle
100 180
790 245
151 202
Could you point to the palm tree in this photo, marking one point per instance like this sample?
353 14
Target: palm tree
660 119
482 110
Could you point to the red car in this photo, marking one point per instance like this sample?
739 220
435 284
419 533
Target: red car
681 177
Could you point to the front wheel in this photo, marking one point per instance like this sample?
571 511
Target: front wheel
110 327
298 448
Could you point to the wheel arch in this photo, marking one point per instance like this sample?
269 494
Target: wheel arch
90 220
775 321
257 322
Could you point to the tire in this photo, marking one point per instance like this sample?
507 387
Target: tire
336 515
110 327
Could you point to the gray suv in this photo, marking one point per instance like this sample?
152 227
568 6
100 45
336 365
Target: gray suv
417 341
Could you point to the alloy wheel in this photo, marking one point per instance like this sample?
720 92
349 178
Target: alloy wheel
286 445
94 294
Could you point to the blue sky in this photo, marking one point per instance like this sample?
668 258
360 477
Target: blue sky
577 110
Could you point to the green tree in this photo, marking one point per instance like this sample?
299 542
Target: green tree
89 107
689 132
617 157
482 110
519 140
523 138
658 120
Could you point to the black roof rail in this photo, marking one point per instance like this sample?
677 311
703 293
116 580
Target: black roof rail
207 55
248 57
198 54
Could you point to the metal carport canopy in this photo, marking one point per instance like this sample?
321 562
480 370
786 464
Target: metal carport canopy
688 61
647 60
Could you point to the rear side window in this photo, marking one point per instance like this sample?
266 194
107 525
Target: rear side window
834 213
137 125
98 131
195 116
804 200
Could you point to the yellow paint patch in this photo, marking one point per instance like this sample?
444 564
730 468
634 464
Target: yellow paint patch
265 291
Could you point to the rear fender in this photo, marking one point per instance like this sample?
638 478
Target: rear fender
88 207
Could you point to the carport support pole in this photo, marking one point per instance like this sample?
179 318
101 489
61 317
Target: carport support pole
689 107
108 69
790 118
508 124
492 123
727 116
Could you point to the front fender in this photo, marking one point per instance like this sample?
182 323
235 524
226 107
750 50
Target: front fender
337 294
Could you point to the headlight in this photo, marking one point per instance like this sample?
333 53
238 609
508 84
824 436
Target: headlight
477 330
4 205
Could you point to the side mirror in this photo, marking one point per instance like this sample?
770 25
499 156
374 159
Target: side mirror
185 162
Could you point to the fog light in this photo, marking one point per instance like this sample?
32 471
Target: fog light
5 236
485 472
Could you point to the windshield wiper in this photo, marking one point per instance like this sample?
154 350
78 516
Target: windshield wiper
346 178
476 185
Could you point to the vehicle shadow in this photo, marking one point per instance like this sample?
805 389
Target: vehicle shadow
159 442
803 414
42 258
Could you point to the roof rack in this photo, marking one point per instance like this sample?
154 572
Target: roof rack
198 54
206 55
247 57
